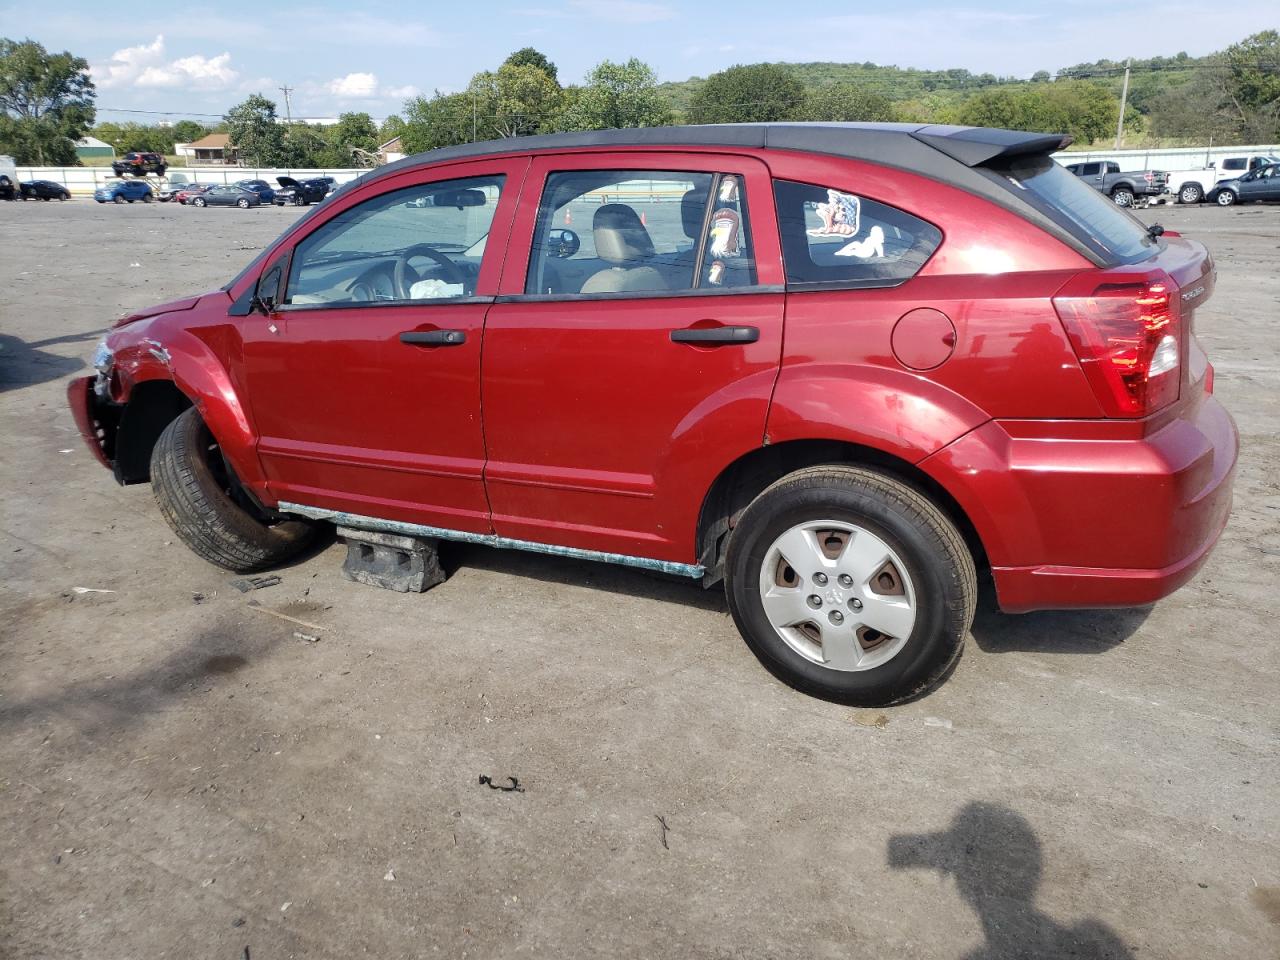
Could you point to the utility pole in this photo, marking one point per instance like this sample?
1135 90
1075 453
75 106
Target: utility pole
288 113
1124 98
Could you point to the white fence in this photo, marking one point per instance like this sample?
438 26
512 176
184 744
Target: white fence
1167 158
84 180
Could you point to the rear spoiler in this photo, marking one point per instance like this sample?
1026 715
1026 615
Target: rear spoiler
979 146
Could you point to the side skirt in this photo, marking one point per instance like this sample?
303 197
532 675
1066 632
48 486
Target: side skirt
692 570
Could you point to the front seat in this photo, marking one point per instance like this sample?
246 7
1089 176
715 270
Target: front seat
622 241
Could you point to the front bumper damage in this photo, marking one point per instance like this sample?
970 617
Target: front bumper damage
97 420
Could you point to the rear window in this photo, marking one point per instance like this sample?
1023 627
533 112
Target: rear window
1092 219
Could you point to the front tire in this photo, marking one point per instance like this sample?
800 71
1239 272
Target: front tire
850 585
1122 197
117 199
1226 198
242 203
198 202
203 503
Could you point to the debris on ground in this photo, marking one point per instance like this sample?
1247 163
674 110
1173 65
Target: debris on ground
198 598
663 830
390 875
255 583
515 787
238 922
868 719
937 722
90 590
286 905
307 637
284 616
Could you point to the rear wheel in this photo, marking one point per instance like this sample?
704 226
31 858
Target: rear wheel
1226 198
1122 197
850 585
1191 193
203 502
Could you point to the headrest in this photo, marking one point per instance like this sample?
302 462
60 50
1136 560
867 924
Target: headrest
693 210
619 235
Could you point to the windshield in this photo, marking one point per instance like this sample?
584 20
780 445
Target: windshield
1082 211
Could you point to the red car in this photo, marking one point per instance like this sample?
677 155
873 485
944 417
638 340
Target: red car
191 190
841 368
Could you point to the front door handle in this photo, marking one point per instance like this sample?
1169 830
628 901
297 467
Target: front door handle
716 335
434 338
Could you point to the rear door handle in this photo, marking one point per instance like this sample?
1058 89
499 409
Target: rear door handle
716 335
434 338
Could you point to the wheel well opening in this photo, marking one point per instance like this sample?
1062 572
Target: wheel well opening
152 406
745 478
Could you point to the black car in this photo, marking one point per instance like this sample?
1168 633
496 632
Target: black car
302 192
44 190
139 163
228 196
263 189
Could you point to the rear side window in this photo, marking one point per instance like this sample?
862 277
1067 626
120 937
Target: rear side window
1073 205
830 236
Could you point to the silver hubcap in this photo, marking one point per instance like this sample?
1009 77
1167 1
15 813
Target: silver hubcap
838 595
1190 195
1226 199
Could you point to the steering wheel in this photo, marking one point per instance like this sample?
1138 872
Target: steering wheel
452 272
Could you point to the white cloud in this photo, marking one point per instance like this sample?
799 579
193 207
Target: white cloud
358 86
401 93
145 66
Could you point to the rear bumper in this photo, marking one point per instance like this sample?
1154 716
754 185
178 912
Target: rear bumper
1072 517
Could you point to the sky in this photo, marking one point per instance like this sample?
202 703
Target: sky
373 55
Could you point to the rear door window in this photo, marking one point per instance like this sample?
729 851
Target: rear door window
831 236
640 231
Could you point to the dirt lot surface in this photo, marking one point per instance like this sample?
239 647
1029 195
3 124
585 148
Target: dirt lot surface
182 777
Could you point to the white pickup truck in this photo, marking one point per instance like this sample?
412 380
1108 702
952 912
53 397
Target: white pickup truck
8 178
1192 186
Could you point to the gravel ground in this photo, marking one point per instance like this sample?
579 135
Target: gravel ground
182 777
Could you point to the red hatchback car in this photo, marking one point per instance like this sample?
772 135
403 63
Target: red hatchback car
841 368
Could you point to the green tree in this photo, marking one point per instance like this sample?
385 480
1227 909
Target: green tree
353 130
391 128
46 102
1082 108
1041 76
256 134
614 96
515 101
1252 84
758 93
186 131
849 101
441 120
529 57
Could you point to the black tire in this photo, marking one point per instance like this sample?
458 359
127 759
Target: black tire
1226 198
299 201
200 507
148 198
198 201
46 199
65 196
1191 193
1122 197
117 199
931 549
242 203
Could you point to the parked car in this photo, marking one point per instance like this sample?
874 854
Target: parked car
303 192
8 178
1124 189
120 191
1262 183
263 189
44 190
226 196
139 163
184 195
1195 185
986 368
170 189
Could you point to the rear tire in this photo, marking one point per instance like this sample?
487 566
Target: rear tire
1122 197
201 507
931 574
1191 193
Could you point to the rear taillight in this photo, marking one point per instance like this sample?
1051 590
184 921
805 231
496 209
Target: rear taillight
1148 177
1128 341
